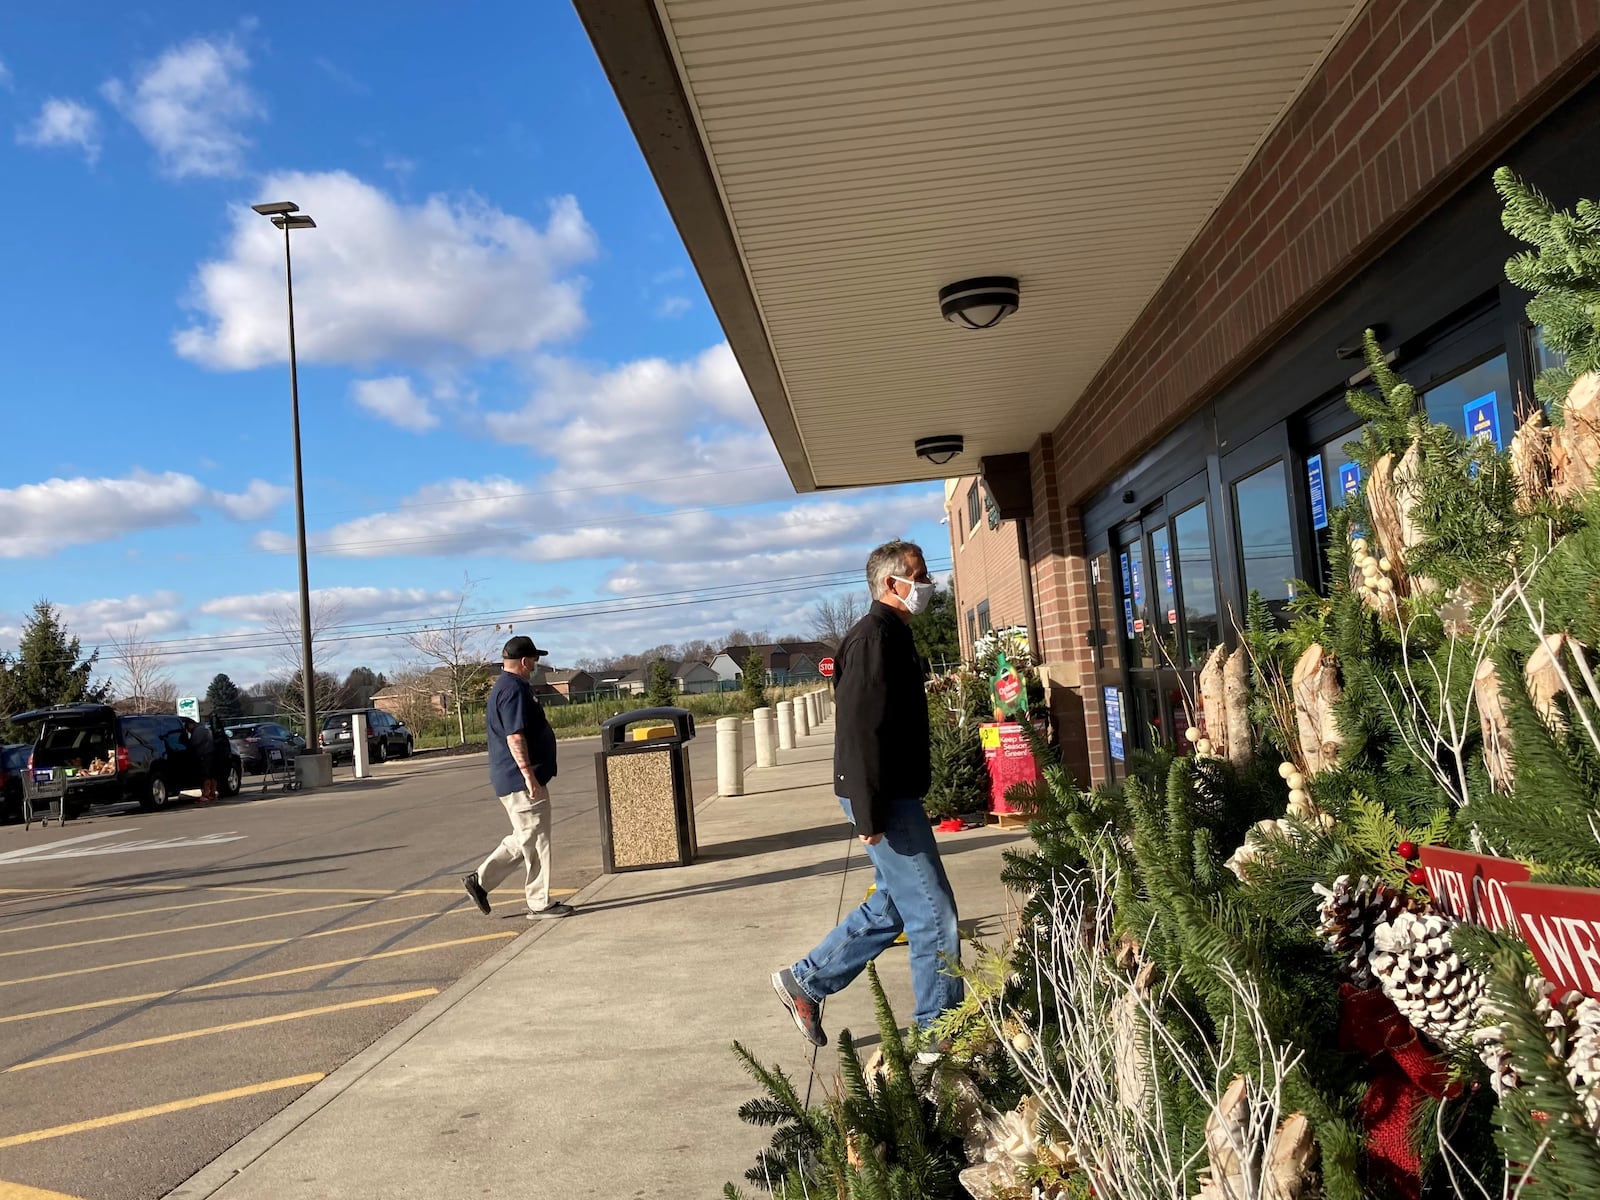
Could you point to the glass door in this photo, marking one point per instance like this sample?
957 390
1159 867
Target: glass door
1261 492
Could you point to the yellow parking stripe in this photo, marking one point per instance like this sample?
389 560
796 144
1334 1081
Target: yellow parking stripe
230 1027
139 912
159 958
228 983
158 1110
21 1191
147 933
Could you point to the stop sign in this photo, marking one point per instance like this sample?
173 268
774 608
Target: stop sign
826 667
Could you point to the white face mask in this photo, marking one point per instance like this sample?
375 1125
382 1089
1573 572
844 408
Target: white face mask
921 593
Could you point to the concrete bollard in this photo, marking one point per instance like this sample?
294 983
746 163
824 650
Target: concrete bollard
816 707
358 746
802 717
766 738
730 756
813 713
785 724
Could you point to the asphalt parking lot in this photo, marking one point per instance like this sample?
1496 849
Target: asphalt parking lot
169 981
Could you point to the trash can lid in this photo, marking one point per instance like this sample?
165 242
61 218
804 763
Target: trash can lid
614 730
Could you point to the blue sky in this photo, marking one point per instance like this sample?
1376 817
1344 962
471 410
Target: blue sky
508 370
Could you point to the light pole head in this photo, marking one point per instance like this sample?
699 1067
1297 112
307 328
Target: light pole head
276 209
299 222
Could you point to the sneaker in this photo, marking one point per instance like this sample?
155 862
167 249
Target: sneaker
551 911
805 1011
475 890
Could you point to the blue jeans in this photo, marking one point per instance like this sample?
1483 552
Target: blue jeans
913 897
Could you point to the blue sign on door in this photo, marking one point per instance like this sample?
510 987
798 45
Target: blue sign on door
1483 418
1127 614
1138 588
1113 700
1349 480
1319 492
1127 579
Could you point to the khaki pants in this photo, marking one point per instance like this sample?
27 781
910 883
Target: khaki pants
528 843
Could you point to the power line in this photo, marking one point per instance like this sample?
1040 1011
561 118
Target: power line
372 630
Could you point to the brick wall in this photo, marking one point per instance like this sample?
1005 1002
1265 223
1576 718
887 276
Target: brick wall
1418 96
987 567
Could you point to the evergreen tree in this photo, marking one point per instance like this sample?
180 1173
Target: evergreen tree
48 667
661 691
754 681
960 781
935 631
224 697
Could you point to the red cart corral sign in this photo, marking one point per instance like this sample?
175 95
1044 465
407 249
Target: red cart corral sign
1010 759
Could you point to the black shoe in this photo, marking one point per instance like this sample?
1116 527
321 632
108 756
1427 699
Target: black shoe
475 890
551 911
805 1011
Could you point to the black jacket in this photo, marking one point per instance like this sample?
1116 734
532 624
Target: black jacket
880 744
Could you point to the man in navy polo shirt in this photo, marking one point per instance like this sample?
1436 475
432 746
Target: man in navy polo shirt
522 761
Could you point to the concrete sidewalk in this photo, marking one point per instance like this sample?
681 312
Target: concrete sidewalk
591 1057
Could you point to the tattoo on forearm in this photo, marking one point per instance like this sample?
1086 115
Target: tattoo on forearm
518 743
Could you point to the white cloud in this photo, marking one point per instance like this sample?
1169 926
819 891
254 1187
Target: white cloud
353 605
37 519
674 306
189 103
396 401
64 123
447 281
5 76
96 622
686 423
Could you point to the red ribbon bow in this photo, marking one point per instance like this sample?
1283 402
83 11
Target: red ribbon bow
1405 1071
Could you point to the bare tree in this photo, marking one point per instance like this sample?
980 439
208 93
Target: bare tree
461 651
833 616
141 681
283 624
414 690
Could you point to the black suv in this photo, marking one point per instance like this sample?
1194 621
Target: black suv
387 735
87 754
256 742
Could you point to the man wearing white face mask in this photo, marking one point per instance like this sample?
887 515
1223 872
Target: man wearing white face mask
881 766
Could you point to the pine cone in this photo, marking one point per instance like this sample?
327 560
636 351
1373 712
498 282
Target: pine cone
1413 961
1350 914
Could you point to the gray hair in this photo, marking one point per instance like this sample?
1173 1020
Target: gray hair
891 558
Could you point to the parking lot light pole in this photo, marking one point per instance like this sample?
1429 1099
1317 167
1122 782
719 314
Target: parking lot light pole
287 216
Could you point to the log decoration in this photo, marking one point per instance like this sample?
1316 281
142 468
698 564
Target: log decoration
1530 462
1131 1040
1285 1169
1542 677
1497 758
1316 691
1393 493
1225 708
1575 446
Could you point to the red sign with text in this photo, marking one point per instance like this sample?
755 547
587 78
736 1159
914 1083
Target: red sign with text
1472 887
1010 760
826 668
1562 927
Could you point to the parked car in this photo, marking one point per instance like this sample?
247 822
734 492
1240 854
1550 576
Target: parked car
387 735
87 754
13 762
254 741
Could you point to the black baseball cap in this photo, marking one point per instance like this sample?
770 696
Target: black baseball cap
521 646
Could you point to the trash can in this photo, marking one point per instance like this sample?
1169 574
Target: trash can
646 796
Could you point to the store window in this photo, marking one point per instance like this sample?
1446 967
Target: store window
1266 540
972 628
1476 403
974 506
1135 627
1543 355
984 626
1163 598
1197 584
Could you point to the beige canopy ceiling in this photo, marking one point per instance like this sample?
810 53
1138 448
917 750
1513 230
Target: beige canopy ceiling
833 163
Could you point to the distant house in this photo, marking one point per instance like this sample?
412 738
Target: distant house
633 682
729 665
695 678
397 698
570 684
803 660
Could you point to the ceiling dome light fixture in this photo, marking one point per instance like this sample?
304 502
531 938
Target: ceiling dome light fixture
980 303
941 449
